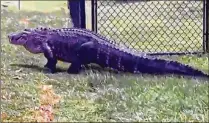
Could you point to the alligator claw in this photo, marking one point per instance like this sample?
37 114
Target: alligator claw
48 70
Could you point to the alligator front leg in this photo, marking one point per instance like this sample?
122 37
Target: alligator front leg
51 60
74 68
51 64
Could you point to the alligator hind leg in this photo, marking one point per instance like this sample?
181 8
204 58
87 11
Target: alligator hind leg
74 68
84 54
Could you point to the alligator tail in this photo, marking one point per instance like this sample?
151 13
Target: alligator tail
160 66
138 64
126 62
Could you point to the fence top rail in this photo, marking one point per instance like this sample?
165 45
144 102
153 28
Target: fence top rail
149 0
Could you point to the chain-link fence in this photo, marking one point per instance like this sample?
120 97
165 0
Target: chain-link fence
153 26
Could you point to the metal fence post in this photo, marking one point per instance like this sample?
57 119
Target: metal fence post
94 15
206 25
19 4
77 13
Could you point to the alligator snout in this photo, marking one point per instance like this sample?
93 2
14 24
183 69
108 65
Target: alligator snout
10 37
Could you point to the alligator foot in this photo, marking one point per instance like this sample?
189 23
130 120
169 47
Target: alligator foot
52 70
75 68
46 65
51 65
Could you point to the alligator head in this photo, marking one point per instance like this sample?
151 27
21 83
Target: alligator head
31 39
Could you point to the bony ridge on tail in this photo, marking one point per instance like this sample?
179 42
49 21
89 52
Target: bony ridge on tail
82 47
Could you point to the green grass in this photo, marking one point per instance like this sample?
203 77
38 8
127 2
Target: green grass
41 6
115 97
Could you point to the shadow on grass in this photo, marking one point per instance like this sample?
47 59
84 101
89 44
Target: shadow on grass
101 70
89 67
35 67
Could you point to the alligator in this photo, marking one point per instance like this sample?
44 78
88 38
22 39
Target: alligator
81 47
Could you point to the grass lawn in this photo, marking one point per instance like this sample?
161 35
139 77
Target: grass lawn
43 6
114 97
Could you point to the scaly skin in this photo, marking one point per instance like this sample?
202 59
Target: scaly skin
82 47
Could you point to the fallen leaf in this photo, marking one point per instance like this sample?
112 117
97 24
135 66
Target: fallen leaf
3 116
17 71
17 77
24 21
48 98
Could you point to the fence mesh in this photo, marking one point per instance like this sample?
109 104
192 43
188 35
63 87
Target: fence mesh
153 26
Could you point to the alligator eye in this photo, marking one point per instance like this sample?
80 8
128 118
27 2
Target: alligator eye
24 35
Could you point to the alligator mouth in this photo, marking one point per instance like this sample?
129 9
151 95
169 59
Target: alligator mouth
12 39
